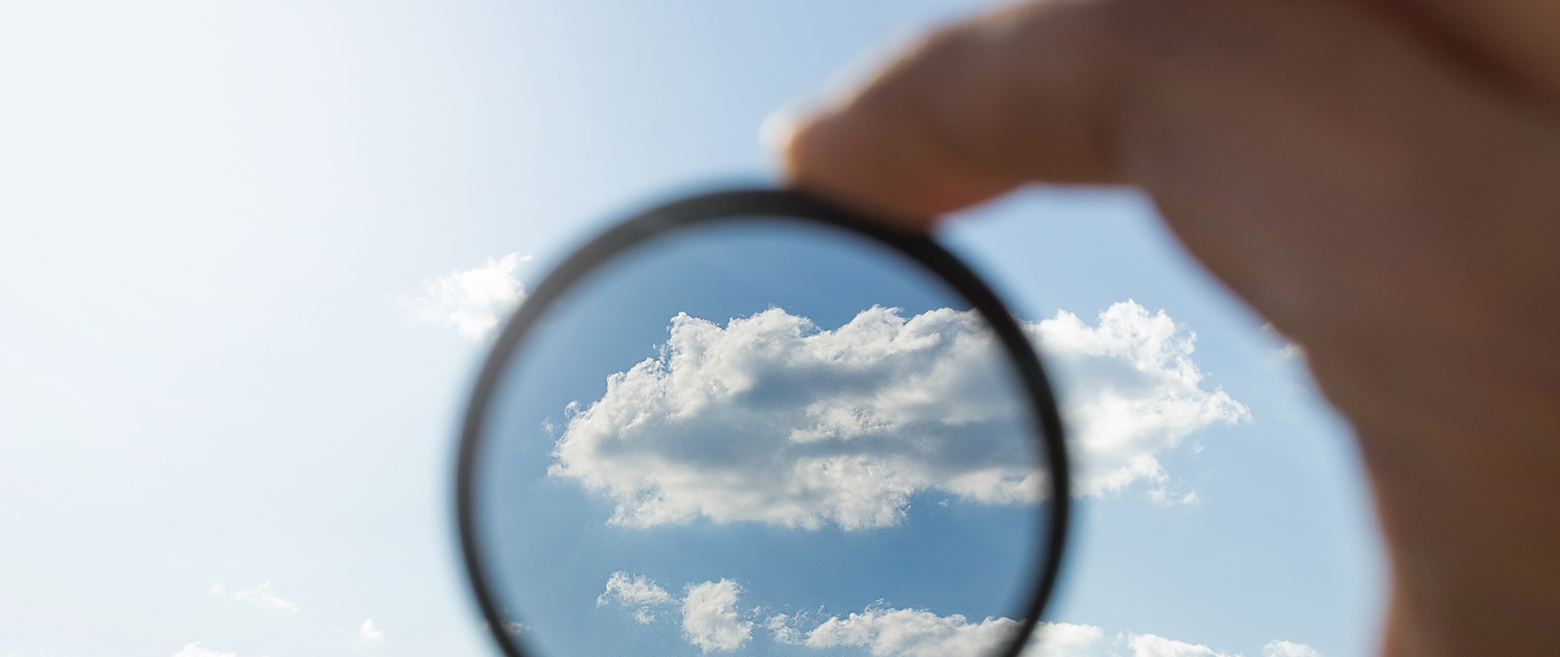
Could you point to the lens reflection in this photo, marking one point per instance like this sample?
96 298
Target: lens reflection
760 437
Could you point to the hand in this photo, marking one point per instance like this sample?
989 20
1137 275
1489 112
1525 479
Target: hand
1381 180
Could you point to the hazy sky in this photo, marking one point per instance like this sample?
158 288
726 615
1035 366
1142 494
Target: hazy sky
250 254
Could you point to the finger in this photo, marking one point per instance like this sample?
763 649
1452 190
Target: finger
1055 91
969 113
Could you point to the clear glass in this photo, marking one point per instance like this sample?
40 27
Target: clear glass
762 437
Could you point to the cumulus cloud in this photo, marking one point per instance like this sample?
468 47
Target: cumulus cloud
471 300
1129 392
1288 649
194 650
262 595
710 619
370 633
712 622
913 633
771 419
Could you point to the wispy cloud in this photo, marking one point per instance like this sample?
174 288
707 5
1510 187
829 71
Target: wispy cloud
194 650
638 591
262 595
845 425
472 301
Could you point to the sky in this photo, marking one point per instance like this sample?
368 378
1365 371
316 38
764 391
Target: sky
251 254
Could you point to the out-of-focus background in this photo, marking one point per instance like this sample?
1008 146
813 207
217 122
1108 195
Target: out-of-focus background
250 253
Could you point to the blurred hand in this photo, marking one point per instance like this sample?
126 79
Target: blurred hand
1381 180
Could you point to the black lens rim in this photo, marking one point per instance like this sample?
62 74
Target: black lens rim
731 205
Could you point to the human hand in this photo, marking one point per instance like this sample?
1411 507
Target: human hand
1380 180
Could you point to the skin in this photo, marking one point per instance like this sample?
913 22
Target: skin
1379 179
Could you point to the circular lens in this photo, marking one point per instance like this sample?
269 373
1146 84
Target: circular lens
750 424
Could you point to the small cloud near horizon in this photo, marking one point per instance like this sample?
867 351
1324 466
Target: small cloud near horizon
262 595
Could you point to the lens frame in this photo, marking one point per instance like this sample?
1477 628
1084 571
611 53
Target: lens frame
744 205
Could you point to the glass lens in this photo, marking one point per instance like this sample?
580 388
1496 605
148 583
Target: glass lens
760 437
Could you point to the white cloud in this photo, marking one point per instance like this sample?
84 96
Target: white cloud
780 628
262 595
1148 645
1129 392
710 618
837 427
712 623
638 591
1065 640
472 300
1288 649
194 650
370 633
913 633
843 426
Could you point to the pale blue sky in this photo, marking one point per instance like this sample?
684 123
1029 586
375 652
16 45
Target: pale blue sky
211 216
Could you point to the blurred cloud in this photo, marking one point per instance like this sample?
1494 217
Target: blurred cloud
262 595
843 426
471 300
1066 640
368 632
194 650
1288 649
1148 645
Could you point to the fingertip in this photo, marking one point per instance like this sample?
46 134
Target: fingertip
861 162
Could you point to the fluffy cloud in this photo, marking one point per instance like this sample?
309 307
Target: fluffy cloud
1129 392
262 595
711 622
913 633
709 610
1065 640
710 619
770 419
1288 649
472 300
843 426
370 633
194 650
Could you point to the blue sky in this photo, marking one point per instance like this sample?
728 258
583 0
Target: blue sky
226 419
